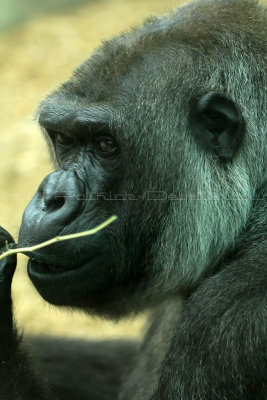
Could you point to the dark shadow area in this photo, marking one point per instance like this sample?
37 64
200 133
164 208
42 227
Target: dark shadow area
75 367
15 12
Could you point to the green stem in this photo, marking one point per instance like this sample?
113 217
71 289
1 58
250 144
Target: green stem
58 239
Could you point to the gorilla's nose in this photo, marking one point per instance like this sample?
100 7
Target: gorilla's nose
53 206
60 193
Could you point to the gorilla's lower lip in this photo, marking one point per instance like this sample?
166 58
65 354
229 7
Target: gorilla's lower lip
43 268
43 272
69 286
52 286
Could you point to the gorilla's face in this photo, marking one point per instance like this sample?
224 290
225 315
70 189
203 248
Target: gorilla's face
86 189
93 181
139 132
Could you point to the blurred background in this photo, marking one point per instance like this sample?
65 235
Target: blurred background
41 42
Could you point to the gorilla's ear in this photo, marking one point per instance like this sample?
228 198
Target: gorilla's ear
217 125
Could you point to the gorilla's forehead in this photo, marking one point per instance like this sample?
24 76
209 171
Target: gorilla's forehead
200 27
164 50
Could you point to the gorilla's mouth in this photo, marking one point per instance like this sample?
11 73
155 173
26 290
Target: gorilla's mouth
51 282
69 286
42 267
43 274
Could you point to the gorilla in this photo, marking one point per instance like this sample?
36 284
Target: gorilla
165 127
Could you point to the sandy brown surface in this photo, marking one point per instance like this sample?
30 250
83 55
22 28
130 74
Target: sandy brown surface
34 59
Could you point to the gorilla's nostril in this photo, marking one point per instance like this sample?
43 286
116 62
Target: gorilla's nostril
54 202
57 203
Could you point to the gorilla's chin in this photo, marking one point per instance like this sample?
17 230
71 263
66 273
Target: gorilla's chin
71 287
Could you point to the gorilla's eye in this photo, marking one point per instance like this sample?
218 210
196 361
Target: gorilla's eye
63 140
105 145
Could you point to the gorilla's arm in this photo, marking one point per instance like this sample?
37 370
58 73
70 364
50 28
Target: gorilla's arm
17 378
219 348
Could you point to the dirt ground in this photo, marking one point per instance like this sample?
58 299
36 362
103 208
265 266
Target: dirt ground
34 59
